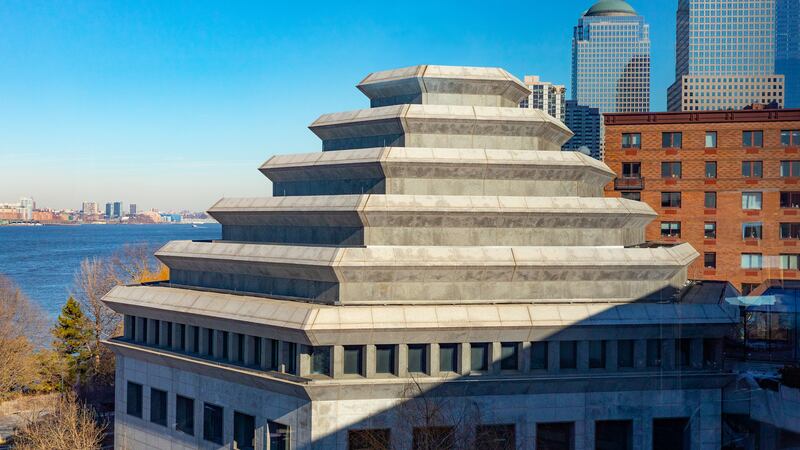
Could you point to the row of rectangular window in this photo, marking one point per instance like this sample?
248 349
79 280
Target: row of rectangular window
750 230
244 425
282 355
750 200
671 433
750 138
750 169
509 358
417 361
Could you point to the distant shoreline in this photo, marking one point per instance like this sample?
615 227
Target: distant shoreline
75 224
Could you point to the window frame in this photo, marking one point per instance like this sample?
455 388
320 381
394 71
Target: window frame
756 230
789 261
793 198
753 169
789 168
185 426
756 194
710 195
134 391
670 202
672 226
668 169
793 138
637 144
755 138
713 258
750 257
208 431
635 175
714 165
160 419
705 141
792 226
713 230
668 140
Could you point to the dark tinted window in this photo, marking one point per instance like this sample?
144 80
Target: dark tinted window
625 353
158 407
509 356
134 399
213 423
568 352
353 356
448 357
244 431
539 355
184 414
384 359
479 357
418 358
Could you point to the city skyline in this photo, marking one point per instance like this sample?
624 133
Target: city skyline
180 105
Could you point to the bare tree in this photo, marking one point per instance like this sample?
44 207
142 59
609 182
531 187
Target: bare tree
21 326
64 424
436 422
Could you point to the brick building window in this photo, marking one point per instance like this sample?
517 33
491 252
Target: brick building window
671 169
710 260
710 200
751 230
751 200
752 260
710 230
790 168
747 288
670 229
672 139
711 139
711 169
789 262
752 138
632 196
790 230
670 199
790 199
790 138
752 169
631 170
631 140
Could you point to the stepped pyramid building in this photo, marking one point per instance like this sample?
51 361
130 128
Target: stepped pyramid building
441 249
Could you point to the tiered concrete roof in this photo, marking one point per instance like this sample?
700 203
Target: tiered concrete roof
444 200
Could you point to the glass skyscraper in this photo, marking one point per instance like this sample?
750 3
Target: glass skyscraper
611 59
787 48
724 55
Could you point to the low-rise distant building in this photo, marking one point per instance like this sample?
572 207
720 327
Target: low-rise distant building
168 217
90 209
548 97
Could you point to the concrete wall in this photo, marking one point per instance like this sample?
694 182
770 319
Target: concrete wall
323 424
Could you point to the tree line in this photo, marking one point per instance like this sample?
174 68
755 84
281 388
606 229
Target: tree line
67 359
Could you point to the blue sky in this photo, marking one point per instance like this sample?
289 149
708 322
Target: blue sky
175 104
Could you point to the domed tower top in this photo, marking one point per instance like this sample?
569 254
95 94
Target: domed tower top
610 8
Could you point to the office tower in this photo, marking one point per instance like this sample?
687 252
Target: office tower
132 209
724 182
724 56
109 210
548 97
117 210
611 58
467 258
787 49
587 124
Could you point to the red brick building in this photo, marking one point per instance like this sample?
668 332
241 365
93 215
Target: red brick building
728 182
